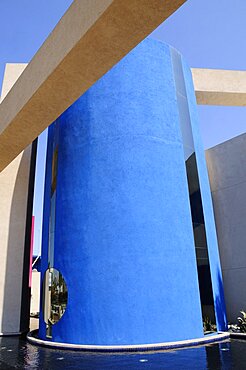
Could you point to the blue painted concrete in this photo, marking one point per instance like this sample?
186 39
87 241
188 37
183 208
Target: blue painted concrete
213 251
45 231
123 235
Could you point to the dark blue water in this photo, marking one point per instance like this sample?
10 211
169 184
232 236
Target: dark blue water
18 354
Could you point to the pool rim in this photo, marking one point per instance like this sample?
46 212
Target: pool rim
211 338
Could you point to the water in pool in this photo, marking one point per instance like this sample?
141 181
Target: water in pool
16 353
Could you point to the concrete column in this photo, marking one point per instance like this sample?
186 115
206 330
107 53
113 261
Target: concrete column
14 184
123 237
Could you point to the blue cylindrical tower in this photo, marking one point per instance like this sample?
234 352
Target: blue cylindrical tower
119 261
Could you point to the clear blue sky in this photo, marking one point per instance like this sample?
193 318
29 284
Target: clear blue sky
209 33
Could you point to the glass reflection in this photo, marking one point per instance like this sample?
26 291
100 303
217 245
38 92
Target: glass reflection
51 278
202 259
55 297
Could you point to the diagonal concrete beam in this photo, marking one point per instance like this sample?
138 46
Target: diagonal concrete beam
219 87
90 38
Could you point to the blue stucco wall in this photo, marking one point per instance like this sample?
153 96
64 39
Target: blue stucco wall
213 250
123 235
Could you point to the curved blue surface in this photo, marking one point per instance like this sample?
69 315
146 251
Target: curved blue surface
123 232
213 250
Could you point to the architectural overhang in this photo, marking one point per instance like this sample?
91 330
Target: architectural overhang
89 39
220 87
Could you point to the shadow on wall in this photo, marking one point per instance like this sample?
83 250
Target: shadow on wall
15 316
220 307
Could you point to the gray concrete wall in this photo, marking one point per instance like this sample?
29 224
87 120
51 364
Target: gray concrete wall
14 181
227 173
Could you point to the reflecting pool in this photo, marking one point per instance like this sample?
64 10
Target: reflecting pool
16 353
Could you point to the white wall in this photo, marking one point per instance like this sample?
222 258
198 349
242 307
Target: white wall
227 172
35 292
13 206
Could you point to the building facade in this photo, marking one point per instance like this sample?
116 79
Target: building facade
16 197
129 252
226 167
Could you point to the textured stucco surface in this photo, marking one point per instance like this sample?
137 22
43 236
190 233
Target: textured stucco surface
227 172
89 39
13 206
11 74
123 235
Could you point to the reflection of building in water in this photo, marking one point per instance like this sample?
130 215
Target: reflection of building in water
128 219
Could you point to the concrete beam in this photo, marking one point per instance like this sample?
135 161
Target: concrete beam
220 87
11 74
90 38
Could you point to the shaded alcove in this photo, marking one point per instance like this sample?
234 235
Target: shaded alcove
16 301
